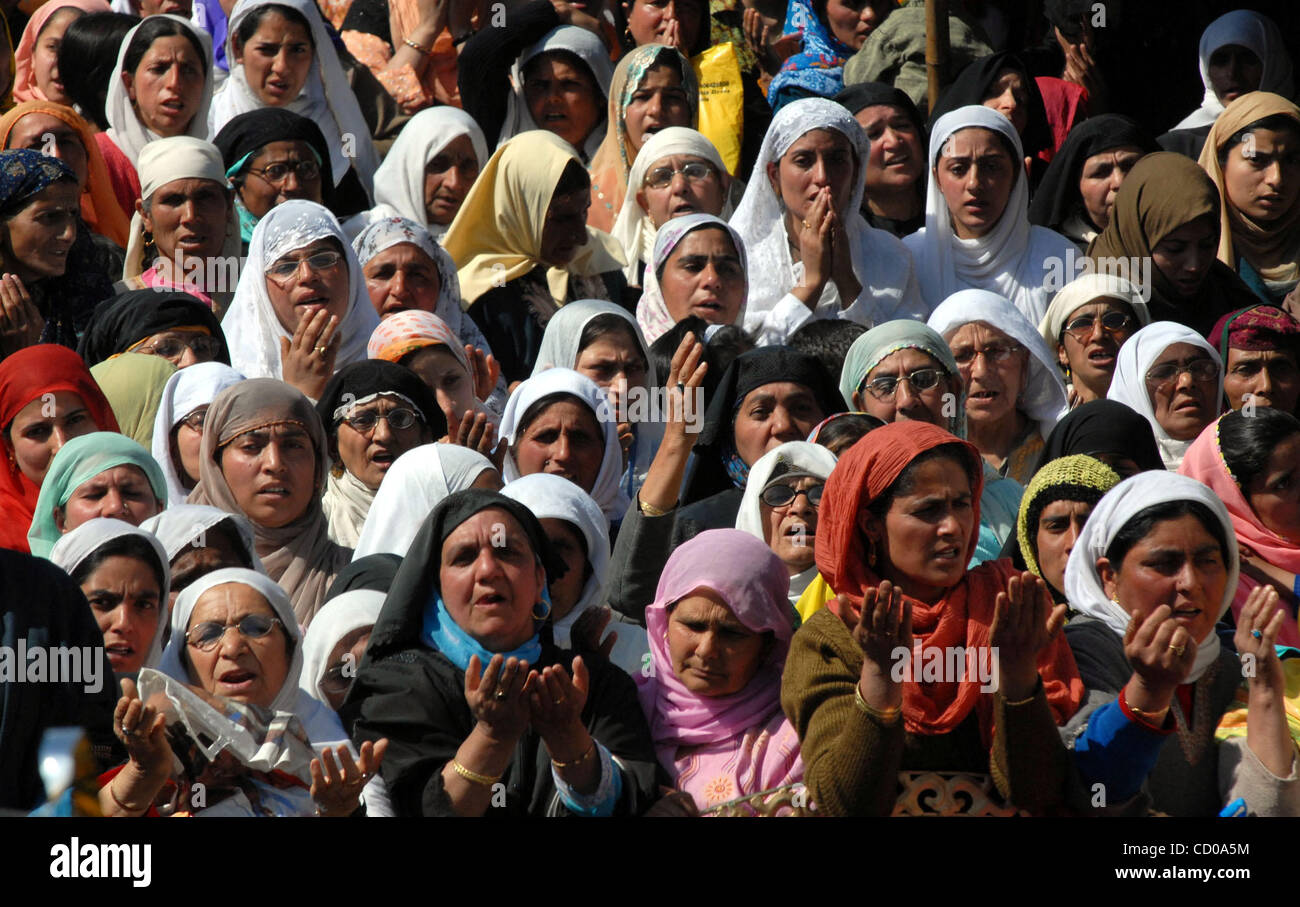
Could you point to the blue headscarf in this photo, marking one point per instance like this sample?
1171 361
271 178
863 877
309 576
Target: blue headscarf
23 173
818 69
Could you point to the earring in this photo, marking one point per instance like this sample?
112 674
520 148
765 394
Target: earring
541 610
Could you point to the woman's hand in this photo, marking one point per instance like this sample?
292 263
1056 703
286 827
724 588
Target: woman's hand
142 730
576 14
1024 623
1267 732
337 789
884 626
588 629
484 369
845 278
497 698
474 431
1161 652
685 398
307 361
21 323
556 701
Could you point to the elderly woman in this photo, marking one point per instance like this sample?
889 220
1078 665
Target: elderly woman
457 678
812 254
1260 348
178 425
264 456
101 474
977 234
1155 568
1088 321
123 573
720 630
894 538
1170 375
47 398
523 248
373 412
134 384
1014 393
1107 431
895 173
296 323
698 267
170 325
333 647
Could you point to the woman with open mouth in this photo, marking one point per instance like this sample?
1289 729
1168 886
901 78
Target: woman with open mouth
1260 347
698 268
1086 324
895 173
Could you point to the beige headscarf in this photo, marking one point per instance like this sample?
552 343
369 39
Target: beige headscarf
299 556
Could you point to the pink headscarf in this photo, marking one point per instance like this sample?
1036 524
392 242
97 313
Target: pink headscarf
25 88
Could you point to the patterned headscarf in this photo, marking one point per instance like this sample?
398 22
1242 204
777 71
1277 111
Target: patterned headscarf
24 173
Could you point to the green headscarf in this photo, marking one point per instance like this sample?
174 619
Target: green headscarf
133 384
904 334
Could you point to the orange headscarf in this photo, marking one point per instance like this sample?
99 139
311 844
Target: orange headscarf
963 617
25 88
99 207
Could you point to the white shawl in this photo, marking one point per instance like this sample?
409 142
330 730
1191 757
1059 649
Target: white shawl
184 392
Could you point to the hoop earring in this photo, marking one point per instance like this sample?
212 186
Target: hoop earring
545 611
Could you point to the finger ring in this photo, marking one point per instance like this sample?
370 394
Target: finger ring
560 701
1178 650
499 695
1256 634
806 225
321 349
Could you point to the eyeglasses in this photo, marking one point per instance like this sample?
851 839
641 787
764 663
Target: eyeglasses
278 173
922 379
336 681
995 354
206 635
286 269
1081 328
398 419
194 421
695 172
204 346
780 495
1199 369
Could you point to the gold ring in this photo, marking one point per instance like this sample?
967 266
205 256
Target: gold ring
1179 650
806 225
560 701
321 349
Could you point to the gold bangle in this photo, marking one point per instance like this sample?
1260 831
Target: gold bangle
651 510
474 777
884 716
130 809
572 762
409 43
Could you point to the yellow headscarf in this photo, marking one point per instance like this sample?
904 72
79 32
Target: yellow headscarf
497 234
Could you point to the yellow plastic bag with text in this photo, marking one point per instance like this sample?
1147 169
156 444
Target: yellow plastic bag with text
722 101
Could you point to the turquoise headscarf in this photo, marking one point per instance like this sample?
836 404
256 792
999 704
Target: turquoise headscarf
78 461
904 334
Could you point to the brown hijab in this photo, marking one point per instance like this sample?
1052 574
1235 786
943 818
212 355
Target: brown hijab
299 555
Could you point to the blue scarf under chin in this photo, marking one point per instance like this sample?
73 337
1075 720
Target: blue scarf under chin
443 633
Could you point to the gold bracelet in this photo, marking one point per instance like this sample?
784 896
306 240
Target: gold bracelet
409 43
651 510
884 716
473 777
572 762
130 809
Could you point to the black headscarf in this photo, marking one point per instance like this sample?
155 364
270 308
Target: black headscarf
123 321
870 94
1058 196
973 84
378 376
1103 427
252 131
374 572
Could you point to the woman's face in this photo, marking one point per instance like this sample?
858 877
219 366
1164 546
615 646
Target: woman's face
712 652
37 239
567 543
402 277
1261 176
343 662
368 455
50 135
658 102
45 56
818 159
43 426
565 229
852 21
791 529
563 97
703 276
276 59
1009 96
122 493
1233 71
246 670
490 580
445 376
897 157
185 442
994 368
1100 178
772 414
167 87
921 542
565 439
681 195
1274 494
123 593
182 8
1184 256
1059 525
976 176
615 362
309 289
1179 564
447 180
1091 352
1184 405
651 21
1267 377
935 405
275 174
272 473
188 217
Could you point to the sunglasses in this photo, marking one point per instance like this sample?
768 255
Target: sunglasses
206 635
780 495
923 379
1081 328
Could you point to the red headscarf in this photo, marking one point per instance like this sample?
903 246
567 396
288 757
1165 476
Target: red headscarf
963 617
43 369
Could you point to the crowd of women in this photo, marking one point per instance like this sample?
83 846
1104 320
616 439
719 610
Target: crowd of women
433 404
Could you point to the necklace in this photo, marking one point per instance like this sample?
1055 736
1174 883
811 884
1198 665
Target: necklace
1194 738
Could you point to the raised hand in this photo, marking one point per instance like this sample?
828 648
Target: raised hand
1024 623
1267 732
484 369
556 701
307 360
815 248
337 789
884 626
588 629
1161 652
142 730
473 430
21 323
496 696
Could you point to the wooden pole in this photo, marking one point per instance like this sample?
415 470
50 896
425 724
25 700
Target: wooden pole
936 48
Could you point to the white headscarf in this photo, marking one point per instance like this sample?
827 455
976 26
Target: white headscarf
1043 397
386 232
792 456
1083 290
319 721
1255 32
326 99
607 492
633 228
80 543
1012 259
183 525
183 393
1129 385
559 347
585 46
882 266
1117 507
416 483
652 311
340 616
251 327
124 126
